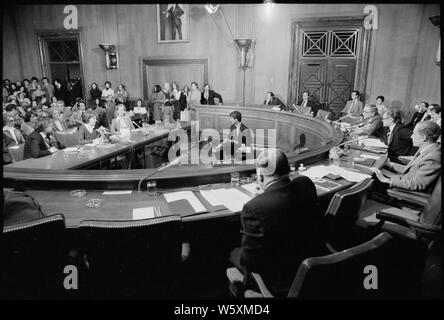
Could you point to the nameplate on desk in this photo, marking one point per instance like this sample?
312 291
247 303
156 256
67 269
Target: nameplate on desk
117 192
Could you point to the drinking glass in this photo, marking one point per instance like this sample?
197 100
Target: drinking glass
235 178
151 187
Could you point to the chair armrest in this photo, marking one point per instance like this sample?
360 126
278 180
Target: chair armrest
264 292
426 230
234 275
419 198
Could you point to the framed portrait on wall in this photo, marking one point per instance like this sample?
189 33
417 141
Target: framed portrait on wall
172 23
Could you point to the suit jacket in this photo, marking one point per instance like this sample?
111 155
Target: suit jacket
242 134
211 95
35 146
417 117
355 110
9 141
275 102
61 94
372 126
310 104
420 173
400 143
279 230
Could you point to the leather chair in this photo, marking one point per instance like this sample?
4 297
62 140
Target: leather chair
68 138
33 259
133 259
338 275
17 152
342 213
324 115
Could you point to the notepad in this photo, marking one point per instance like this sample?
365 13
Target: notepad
369 156
316 172
187 195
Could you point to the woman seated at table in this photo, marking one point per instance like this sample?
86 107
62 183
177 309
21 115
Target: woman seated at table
121 122
38 143
141 110
87 132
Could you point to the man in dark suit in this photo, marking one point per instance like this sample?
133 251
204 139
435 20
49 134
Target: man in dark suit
307 102
397 138
37 143
279 226
61 93
421 110
353 107
174 12
273 101
209 95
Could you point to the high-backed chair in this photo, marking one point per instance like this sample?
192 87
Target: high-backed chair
342 213
17 152
340 275
137 259
324 115
68 138
33 259
423 225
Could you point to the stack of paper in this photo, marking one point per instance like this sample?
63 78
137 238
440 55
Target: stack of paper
186 195
372 142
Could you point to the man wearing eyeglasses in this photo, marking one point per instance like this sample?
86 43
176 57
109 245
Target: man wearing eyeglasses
371 125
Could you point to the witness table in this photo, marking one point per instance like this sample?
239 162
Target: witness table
85 155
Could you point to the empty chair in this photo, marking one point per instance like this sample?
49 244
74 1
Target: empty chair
17 152
133 259
33 258
342 213
324 115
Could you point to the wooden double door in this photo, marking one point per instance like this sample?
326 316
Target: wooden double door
330 82
329 58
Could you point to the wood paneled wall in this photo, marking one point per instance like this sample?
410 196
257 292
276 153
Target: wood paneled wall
401 63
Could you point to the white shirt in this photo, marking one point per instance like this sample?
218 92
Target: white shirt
390 132
12 132
107 92
89 127
45 138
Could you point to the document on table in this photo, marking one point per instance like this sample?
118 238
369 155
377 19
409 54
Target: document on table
371 142
369 156
316 172
186 195
212 196
143 213
232 198
348 174
251 187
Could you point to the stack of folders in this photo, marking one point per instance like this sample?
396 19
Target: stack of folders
368 148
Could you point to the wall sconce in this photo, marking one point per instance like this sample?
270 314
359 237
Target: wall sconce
111 56
244 46
211 8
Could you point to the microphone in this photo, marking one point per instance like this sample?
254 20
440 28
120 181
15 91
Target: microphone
163 167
